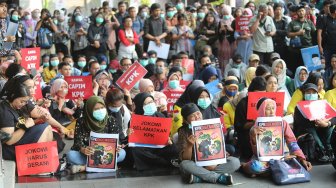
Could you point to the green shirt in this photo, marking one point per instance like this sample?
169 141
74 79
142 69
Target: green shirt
308 26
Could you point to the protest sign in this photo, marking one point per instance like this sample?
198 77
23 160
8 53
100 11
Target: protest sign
36 158
314 110
212 87
30 58
188 69
254 97
172 97
311 58
209 148
79 87
133 74
149 131
105 152
242 23
162 51
11 31
271 141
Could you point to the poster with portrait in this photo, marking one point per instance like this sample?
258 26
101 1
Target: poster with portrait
105 154
311 58
270 143
209 147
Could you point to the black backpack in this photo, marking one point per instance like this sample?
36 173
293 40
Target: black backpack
307 145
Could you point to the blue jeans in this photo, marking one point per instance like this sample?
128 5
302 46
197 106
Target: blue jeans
77 158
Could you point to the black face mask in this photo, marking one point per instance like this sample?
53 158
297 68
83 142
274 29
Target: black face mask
158 70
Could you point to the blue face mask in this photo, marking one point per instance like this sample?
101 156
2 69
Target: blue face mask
79 18
204 102
112 71
55 22
99 20
162 15
15 17
46 64
189 125
149 109
143 14
114 109
152 60
54 63
201 15
226 17
179 6
170 14
311 97
81 64
99 114
230 93
103 67
136 86
236 66
194 15
174 84
144 62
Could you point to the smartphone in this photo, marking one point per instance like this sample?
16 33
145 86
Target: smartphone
33 72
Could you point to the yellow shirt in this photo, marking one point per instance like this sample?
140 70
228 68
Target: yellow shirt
330 96
177 120
48 74
229 115
297 97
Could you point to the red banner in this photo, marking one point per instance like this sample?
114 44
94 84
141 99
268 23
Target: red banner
314 110
30 58
188 69
133 74
79 87
254 97
36 158
149 130
242 23
172 97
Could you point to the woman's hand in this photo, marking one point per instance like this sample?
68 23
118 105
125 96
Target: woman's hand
191 140
130 131
170 142
79 102
87 150
29 122
307 165
258 130
322 122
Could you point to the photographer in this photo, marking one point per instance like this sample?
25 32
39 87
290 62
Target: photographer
45 29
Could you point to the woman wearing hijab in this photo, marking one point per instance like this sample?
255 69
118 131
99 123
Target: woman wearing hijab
209 74
94 119
301 75
78 33
174 81
103 80
160 99
267 108
229 109
201 97
229 91
285 83
149 158
29 25
249 75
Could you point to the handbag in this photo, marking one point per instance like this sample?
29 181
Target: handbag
288 171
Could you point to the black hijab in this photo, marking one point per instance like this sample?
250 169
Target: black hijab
208 113
186 96
139 100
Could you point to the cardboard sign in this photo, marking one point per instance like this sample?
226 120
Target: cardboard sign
79 87
30 58
149 131
133 74
314 110
254 97
209 148
188 69
183 84
311 58
36 158
162 51
242 23
270 143
172 97
105 154
212 87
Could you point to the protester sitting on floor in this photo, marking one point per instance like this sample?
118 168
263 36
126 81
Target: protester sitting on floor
229 91
267 108
149 158
95 119
190 172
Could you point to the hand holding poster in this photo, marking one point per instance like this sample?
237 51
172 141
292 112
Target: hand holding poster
149 131
172 97
210 144
133 74
254 97
105 153
162 51
36 158
79 87
315 110
311 58
242 23
271 141
188 69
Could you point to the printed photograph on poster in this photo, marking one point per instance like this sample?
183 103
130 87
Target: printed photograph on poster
270 144
105 154
188 69
311 58
319 109
209 148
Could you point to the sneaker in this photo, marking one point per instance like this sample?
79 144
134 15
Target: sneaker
323 157
175 163
76 169
331 155
194 179
225 179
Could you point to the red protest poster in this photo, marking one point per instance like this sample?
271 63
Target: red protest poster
149 131
254 97
36 158
105 152
314 110
172 97
30 58
79 87
242 23
210 144
271 141
133 74
188 69
183 84
38 90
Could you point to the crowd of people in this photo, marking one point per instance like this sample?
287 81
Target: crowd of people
266 57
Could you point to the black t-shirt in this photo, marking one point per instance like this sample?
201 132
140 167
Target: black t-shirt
328 26
26 110
9 116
